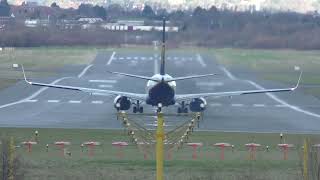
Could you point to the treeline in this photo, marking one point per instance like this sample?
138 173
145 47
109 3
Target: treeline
201 27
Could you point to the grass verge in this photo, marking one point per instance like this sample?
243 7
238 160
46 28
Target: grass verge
105 164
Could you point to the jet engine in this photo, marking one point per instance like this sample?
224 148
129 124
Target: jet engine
122 103
198 105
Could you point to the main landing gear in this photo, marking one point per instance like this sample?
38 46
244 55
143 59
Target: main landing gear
183 108
137 108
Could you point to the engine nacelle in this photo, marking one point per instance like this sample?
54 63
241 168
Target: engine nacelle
122 103
198 105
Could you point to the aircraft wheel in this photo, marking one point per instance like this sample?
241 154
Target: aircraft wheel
179 110
134 109
185 110
141 110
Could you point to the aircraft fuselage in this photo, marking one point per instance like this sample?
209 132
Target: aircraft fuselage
161 92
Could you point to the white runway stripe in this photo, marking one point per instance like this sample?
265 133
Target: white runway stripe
128 58
74 102
103 81
111 58
83 72
237 105
105 86
200 60
281 105
53 101
209 83
259 105
97 102
32 100
215 104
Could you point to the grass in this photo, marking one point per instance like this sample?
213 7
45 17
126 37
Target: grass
273 64
40 61
40 164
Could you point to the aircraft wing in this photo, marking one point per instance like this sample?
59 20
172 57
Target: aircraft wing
235 93
101 92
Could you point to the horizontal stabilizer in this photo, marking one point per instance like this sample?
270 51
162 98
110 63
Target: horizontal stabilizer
134 76
190 77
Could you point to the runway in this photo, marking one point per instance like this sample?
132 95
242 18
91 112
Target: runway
25 106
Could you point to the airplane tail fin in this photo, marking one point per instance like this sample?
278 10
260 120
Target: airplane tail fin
163 55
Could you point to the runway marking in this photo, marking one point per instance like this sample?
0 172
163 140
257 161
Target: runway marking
97 102
237 105
74 102
32 100
169 57
143 58
128 58
136 58
228 73
53 101
209 83
103 81
106 86
156 68
280 105
200 60
83 72
37 93
259 105
121 58
272 96
215 104
150 58
111 58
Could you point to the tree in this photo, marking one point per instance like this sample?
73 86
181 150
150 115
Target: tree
55 5
148 12
85 10
100 12
4 8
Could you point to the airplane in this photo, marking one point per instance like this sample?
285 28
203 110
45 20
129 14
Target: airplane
160 91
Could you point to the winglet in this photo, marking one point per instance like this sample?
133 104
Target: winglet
298 83
24 75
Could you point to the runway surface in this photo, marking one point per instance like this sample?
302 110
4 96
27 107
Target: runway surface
25 106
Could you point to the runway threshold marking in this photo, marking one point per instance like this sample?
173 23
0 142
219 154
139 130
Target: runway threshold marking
200 60
215 104
97 102
209 84
259 105
32 100
74 102
103 81
111 58
105 86
53 101
280 105
272 96
237 105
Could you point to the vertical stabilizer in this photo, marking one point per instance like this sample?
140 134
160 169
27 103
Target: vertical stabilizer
163 55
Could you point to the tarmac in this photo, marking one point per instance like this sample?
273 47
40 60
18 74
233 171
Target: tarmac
23 105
